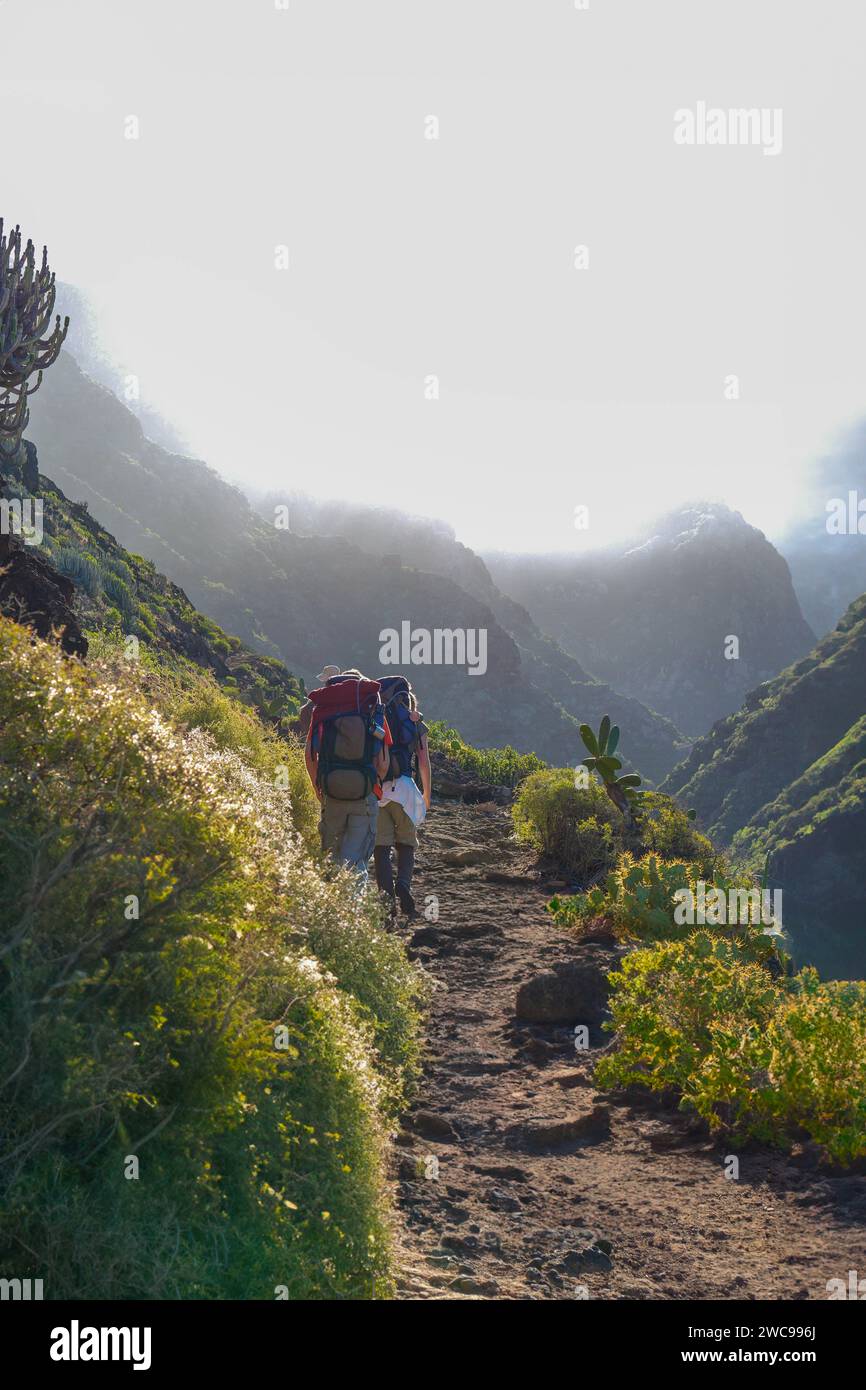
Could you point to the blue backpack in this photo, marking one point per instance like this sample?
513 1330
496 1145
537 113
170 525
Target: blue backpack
394 692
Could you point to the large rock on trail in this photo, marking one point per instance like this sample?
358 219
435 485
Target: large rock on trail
455 783
591 1125
574 991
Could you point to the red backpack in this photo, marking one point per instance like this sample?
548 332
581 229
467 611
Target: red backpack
346 733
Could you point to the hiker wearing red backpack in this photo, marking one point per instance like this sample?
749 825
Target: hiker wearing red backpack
402 806
346 754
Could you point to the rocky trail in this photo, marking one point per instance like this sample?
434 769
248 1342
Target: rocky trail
515 1179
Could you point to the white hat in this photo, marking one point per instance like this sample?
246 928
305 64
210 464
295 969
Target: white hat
328 672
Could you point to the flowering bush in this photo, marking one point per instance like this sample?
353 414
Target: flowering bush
201 1040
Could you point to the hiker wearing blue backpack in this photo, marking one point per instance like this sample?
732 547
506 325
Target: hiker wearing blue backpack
402 805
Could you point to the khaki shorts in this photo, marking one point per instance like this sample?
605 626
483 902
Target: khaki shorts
394 827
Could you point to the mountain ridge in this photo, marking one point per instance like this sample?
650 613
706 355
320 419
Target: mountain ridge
299 598
657 615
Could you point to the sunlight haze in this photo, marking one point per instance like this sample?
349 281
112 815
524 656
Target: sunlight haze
261 127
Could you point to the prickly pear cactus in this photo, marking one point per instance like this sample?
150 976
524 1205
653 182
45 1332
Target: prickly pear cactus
601 747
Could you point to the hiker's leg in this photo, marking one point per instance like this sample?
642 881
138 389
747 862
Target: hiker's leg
384 871
407 842
405 865
382 852
359 836
332 825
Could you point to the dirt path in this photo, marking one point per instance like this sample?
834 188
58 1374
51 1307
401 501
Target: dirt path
505 1220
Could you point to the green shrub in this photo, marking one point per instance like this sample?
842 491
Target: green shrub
503 767
145 626
668 1003
766 1059
119 592
580 827
642 900
234 726
79 566
665 828
817 1062
154 1034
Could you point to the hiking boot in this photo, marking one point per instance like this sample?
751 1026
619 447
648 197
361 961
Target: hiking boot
389 903
407 902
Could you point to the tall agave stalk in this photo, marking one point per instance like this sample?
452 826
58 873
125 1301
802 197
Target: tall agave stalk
27 294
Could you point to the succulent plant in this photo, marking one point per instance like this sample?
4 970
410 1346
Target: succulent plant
27 342
277 709
601 748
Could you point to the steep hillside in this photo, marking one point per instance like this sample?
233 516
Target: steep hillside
783 728
163 911
654 619
826 550
84 342
308 600
80 579
815 831
786 775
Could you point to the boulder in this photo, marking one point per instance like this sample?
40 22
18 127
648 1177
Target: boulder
592 1125
574 991
430 1125
35 594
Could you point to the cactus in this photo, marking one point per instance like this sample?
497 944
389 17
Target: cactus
26 305
279 709
601 748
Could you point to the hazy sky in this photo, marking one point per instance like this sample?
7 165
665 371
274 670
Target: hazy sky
261 127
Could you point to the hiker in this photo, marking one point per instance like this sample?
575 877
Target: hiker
402 807
346 755
301 725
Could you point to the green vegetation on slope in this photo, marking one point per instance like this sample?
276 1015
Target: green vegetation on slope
832 786
712 1014
581 828
786 776
763 1058
122 594
502 767
180 986
194 700
748 759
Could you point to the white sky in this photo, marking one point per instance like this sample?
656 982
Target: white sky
306 127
